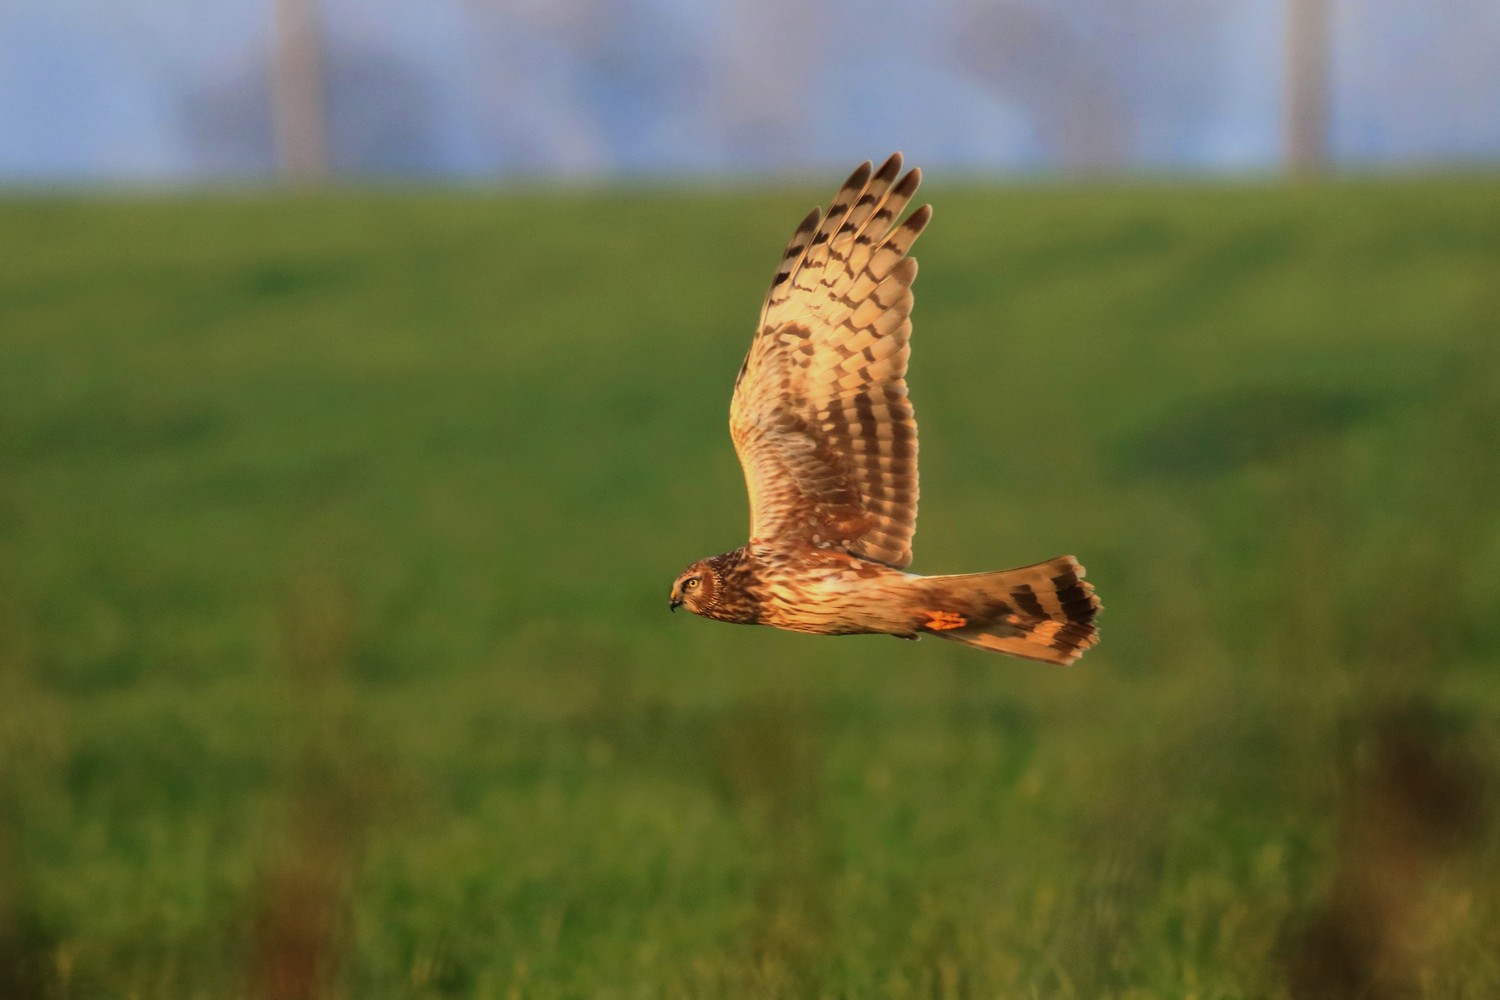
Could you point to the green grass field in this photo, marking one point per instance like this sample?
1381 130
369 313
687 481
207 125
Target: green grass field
335 541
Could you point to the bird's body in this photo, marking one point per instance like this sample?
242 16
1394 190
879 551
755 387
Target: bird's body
807 590
828 441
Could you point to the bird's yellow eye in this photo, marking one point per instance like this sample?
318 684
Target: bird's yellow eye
691 584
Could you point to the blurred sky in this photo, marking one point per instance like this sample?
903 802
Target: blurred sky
179 91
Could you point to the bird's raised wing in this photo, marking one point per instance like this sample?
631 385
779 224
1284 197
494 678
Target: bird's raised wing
820 418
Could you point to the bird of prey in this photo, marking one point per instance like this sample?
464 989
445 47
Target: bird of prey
828 442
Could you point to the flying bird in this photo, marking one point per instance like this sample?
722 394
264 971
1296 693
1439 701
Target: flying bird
828 443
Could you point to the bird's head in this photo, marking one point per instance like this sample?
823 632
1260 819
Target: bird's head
695 587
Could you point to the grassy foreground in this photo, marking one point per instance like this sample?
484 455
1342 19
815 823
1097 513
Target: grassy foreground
335 539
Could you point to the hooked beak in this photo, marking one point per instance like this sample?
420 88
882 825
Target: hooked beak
674 604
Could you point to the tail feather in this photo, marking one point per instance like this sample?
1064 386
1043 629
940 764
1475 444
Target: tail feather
1044 612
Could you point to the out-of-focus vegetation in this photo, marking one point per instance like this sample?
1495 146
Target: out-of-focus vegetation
335 540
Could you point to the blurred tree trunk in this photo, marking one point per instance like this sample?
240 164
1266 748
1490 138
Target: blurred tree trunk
297 85
1307 85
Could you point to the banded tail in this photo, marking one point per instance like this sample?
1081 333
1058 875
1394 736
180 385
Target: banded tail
1044 612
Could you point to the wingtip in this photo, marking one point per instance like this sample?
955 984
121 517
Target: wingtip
860 177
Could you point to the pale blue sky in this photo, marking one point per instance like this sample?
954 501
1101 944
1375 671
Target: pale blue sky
171 90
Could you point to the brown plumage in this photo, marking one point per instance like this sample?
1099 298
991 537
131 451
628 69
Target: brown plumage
828 441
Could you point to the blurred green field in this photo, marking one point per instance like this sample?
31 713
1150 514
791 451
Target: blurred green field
335 539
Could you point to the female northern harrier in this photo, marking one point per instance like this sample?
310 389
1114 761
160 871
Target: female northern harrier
828 442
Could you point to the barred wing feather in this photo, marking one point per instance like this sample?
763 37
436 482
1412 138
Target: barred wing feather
820 417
